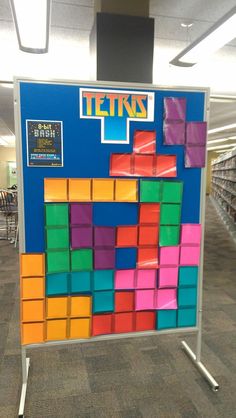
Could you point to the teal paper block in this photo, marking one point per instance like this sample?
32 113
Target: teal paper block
186 317
57 284
188 276
58 261
170 214
187 296
103 301
150 191
57 214
103 280
172 191
82 260
169 235
80 282
57 238
167 319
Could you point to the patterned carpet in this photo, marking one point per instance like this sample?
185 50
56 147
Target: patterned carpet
140 377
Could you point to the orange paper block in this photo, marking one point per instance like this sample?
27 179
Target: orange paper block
32 333
143 165
32 310
148 235
80 190
147 258
81 306
55 190
126 191
32 265
145 142
127 236
80 328
57 307
120 165
56 329
166 166
33 288
149 213
103 190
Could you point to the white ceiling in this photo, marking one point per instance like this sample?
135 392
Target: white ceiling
68 56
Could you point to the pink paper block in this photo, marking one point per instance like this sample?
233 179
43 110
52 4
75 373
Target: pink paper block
166 299
168 277
146 279
124 279
144 299
189 256
169 256
190 234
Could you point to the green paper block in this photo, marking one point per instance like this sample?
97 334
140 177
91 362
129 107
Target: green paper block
57 214
170 214
58 261
103 301
57 238
150 191
82 260
103 280
187 296
166 319
172 191
169 235
186 317
188 276
80 282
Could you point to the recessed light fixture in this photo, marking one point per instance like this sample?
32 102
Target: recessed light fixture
221 146
214 141
222 128
7 85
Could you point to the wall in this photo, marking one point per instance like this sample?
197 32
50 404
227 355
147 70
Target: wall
6 154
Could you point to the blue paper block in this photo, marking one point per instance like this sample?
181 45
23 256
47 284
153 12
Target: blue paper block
186 317
80 282
126 258
166 319
113 214
103 301
187 296
103 280
57 284
188 276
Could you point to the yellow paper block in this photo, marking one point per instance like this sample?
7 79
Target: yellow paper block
56 329
80 328
103 190
32 333
32 310
55 190
81 306
126 190
57 307
79 190
32 287
32 265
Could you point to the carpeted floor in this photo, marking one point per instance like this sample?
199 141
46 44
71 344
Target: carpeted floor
140 377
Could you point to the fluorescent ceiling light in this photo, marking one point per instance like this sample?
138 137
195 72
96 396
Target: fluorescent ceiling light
214 141
8 85
222 128
213 39
32 18
3 142
221 146
222 151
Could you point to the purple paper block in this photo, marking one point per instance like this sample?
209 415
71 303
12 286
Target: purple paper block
196 133
81 214
104 236
195 156
81 237
174 132
175 108
104 259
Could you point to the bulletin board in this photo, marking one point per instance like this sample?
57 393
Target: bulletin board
111 241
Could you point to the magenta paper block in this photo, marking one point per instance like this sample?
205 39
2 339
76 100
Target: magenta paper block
168 277
174 132
189 256
166 299
144 299
104 259
146 279
196 133
190 234
175 108
81 213
81 237
169 256
195 156
125 279
104 236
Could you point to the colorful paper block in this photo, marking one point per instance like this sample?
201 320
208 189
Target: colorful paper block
32 288
79 328
57 284
103 301
175 108
126 191
80 190
104 259
120 165
172 192
126 258
124 301
144 142
165 166
124 279
150 191
195 157
174 132
82 260
103 190
55 190
169 256
57 238
58 261
169 235
188 276
147 258
80 282
186 317
187 296
32 333
170 214
57 307
56 329
190 234
102 324
148 235
32 310
144 299
103 280
80 306
166 319
123 322
196 133
146 279
166 299
81 237
57 214
189 256
168 277
127 236
81 214
149 213
145 321
32 265
143 165
104 236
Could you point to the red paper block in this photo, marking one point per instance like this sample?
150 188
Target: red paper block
143 165
148 235
127 236
166 166
145 320
147 258
149 213
124 322
124 301
102 324
145 142
120 165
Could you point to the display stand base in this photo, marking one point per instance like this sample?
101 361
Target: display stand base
23 390
202 369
